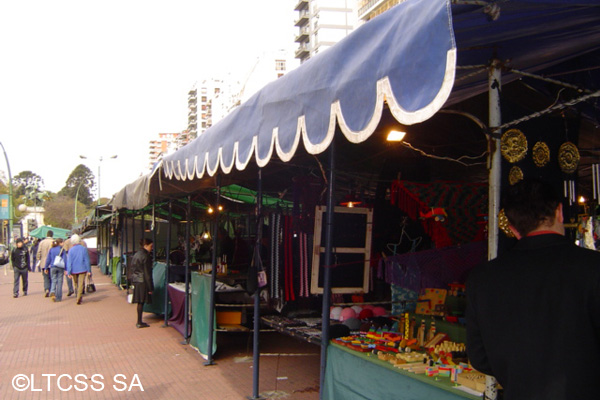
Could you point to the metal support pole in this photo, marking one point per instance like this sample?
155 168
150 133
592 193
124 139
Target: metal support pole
188 217
494 90
11 214
153 228
257 255
327 268
213 277
168 261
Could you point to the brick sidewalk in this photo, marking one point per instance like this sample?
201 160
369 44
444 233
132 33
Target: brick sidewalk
39 337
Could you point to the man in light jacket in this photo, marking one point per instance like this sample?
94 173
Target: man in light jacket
42 253
78 265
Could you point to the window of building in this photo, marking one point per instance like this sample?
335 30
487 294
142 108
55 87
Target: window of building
279 65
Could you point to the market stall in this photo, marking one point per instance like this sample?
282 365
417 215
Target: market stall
387 84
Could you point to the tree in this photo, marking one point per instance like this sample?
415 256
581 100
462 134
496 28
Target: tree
26 180
60 211
82 180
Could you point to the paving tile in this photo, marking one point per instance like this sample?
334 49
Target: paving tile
98 353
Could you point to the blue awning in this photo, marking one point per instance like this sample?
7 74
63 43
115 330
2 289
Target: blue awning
410 57
405 57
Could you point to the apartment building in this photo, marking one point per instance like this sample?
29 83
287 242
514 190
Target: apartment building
321 24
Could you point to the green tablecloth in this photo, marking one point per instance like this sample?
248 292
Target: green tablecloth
159 293
102 261
115 267
351 375
201 285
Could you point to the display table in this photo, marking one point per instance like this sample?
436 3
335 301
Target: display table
201 289
351 375
177 296
307 329
158 294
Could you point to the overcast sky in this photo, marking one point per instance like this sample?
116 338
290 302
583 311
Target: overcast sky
102 78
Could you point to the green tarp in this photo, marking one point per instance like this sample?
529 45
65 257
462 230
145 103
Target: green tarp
115 267
248 196
158 295
201 285
42 232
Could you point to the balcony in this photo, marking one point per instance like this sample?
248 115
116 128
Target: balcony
303 18
303 35
301 5
302 52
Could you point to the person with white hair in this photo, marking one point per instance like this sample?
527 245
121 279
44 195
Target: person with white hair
78 265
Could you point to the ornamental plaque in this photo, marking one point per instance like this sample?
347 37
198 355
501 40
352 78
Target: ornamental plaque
515 175
541 154
568 157
503 224
513 145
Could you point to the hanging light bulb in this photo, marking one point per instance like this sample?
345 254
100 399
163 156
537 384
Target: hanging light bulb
210 210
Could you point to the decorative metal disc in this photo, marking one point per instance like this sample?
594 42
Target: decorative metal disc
515 175
541 154
503 224
513 145
568 157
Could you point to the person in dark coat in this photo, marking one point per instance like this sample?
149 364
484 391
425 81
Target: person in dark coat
141 278
533 313
20 262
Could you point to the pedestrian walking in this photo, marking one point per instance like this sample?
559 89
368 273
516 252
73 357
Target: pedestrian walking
78 265
20 262
42 253
141 278
35 265
57 269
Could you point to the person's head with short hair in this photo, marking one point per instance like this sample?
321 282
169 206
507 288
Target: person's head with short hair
75 239
146 243
531 205
57 242
50 234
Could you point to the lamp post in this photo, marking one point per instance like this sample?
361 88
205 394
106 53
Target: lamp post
10 199
99 164
76 220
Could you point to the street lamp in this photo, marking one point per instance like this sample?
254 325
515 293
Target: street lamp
99 163
76 200
10 199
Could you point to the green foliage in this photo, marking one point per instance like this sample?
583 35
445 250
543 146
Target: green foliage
79 185
60 211
26 182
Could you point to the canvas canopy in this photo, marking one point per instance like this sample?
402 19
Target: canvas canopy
42 231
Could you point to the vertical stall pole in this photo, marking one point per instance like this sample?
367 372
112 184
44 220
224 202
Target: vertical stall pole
258 262
494 90
213 277
133 242
153 227
124 261
188 217
327 268
167 261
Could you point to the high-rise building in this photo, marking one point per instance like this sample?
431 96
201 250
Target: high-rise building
369 9
192 130
165 144
321 24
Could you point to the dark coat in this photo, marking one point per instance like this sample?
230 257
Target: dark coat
533 319
141 269
20 258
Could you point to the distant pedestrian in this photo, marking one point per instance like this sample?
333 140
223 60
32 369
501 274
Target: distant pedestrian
20 262
42 253
67 246
56 271
78 265
34 263
141 278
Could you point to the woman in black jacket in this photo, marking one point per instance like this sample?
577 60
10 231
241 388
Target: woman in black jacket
141 278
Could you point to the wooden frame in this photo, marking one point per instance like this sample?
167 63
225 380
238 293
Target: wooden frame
364 249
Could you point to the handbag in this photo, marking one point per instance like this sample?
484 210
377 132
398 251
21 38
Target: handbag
90 287
58 261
